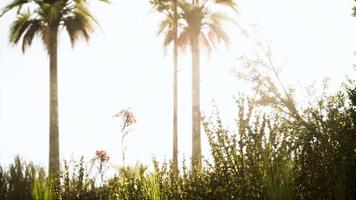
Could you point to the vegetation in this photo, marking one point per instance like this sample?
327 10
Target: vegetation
269 155
277 149
200 26
127 121
171 10
44 18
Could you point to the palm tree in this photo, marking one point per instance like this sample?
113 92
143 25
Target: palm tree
170 7
45 18
175 86
198 26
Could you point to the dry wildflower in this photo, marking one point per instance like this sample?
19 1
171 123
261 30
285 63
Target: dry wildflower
128 119
127 116
102 157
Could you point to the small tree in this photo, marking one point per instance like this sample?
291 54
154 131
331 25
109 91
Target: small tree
127 120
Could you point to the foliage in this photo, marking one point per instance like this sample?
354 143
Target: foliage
76 181
269 155
44 18
35 17
18 180
42 188
195 24
200 21
322 134
275 151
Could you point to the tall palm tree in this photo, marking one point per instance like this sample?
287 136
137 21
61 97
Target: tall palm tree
175 86
45 18
170 7
199 26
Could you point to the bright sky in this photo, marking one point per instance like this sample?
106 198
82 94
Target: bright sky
124 66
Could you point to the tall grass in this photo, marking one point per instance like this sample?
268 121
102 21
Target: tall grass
42 189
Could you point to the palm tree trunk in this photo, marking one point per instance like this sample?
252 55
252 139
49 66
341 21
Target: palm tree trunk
175 84
196 143
53 113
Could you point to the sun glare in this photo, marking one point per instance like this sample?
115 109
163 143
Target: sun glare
277 54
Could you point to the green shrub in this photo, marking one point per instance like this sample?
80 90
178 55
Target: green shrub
42 188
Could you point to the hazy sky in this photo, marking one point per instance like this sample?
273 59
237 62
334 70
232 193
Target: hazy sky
124 66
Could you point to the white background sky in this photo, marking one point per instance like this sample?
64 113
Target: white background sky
124 66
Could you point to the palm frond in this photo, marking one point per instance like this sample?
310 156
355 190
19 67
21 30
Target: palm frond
220 18
26 28
19 26
165 25
105 1
83 10
229 3
169 36
15 4
161 5
34 28
79 25
183 39
217 35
